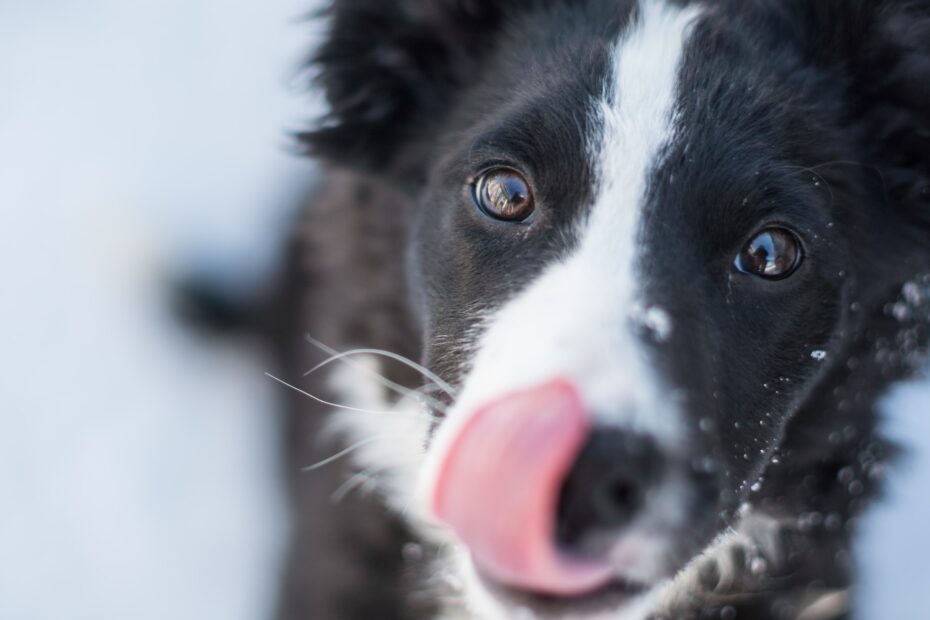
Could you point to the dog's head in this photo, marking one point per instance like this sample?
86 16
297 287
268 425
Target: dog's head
644 232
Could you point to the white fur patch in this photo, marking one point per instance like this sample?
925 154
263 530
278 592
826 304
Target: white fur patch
389 433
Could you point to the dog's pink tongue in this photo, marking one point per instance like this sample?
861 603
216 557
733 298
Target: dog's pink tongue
498 489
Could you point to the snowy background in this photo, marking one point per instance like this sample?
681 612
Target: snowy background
137 467
138 472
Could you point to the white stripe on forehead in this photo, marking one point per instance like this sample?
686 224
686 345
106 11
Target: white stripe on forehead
636 120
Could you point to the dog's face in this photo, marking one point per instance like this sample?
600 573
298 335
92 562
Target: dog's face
644 233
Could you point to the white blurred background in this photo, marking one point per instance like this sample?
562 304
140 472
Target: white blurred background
138 467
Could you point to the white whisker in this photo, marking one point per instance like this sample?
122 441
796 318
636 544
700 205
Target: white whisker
362 477
348 451
346 407
418 395
445 387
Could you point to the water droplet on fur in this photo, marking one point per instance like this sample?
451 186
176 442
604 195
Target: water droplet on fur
901 312
736 425
707 425
912 294
756 487
758 566
819 355
653 320
776 460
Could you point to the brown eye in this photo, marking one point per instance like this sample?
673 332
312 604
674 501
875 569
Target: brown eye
504 194
773 254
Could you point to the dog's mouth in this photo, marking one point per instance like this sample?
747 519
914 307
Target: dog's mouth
499 485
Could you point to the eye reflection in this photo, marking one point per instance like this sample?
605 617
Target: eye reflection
504 194
773 254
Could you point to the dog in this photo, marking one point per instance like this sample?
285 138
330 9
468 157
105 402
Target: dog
599 297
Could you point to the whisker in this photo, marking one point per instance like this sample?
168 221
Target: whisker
362 477
396 387
448 389
346 452
347 407
350 485
423 393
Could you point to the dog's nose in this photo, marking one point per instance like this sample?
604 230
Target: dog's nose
606 487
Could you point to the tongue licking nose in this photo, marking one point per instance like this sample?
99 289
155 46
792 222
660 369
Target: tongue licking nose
499 483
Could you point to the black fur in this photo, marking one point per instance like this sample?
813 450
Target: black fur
814 114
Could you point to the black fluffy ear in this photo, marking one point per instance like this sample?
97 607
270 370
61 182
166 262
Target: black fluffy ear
388 69
882 47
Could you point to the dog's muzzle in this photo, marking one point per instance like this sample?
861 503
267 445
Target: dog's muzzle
527 480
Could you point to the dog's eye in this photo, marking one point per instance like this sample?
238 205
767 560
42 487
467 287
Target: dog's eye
504 194
773 254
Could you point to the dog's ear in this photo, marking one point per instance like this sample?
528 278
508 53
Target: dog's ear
388 68
881 48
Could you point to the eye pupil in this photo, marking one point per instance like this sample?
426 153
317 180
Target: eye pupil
773 254
504 195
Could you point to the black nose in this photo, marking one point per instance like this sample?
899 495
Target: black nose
607 486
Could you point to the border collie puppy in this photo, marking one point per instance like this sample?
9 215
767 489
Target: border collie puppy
658 259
